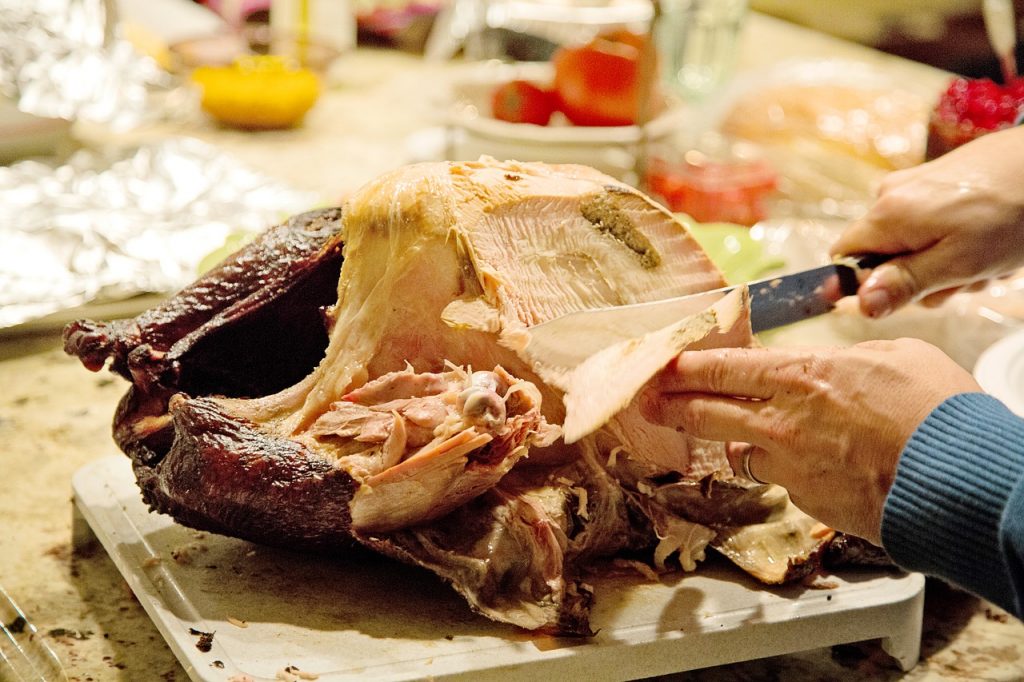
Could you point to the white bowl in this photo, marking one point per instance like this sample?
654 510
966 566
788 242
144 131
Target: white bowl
610 149
1000 371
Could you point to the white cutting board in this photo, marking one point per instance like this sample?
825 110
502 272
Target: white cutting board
366 617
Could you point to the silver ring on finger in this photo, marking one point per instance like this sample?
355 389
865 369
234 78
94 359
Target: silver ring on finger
747 473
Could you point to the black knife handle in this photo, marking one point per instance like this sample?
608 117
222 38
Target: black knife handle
870 261
849 283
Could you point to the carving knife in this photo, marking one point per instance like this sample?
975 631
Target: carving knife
774 302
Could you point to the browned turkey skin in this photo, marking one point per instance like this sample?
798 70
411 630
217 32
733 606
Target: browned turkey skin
249 327
290 398
259 299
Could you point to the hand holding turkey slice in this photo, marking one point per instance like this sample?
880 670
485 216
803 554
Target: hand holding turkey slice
828 424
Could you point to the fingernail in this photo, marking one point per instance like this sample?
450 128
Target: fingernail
876 303
876 299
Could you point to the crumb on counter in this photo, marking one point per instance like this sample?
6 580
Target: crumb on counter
205 642
80 635
183 554
237 622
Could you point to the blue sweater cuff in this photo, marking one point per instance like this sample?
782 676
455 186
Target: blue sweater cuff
953 484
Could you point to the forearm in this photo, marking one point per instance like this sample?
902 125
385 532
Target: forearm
956 508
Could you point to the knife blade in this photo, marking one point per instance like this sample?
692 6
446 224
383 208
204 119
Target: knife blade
774 302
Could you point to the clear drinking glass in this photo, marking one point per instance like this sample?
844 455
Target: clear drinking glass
697 42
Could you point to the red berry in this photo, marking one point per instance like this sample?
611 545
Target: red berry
970 108
980 103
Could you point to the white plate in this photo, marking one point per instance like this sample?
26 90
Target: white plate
1000 371
371 618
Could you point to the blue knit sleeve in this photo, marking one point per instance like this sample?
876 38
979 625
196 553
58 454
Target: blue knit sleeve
956 508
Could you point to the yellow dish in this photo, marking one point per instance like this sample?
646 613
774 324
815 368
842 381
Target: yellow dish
257 92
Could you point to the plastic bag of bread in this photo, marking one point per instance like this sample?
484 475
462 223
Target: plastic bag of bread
832 128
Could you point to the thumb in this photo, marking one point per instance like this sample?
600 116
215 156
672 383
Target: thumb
902 280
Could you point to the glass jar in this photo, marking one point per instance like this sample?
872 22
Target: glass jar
715 180
697 44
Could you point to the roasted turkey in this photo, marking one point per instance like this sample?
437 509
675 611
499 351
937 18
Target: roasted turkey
361 376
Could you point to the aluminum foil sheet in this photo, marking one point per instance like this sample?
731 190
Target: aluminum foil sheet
63 59
108 226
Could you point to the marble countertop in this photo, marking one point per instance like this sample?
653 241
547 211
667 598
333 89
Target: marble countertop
55 416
